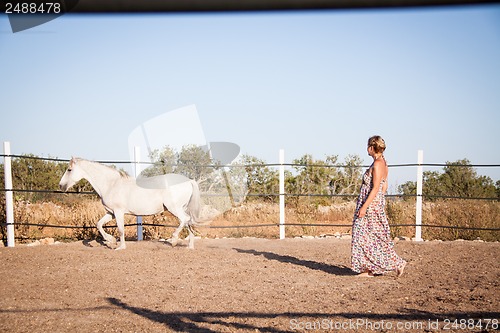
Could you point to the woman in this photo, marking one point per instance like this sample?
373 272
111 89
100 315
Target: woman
372 248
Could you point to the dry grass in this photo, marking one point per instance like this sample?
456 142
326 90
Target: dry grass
254 220
468 213
449 214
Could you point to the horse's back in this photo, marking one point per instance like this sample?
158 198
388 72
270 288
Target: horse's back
161 181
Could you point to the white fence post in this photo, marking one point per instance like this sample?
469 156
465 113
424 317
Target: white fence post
9 200
418 212
282 193
137 171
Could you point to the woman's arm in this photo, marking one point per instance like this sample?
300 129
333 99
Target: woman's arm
377 173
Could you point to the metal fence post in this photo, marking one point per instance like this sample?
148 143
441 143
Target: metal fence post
137 171
9 200
418 212
282 193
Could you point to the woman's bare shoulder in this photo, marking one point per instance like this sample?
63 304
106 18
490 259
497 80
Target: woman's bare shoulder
381 167
379 163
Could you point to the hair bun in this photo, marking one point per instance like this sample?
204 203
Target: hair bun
377 143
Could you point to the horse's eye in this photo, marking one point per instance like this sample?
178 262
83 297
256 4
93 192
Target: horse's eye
69 170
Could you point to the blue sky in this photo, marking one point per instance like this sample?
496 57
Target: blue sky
311 82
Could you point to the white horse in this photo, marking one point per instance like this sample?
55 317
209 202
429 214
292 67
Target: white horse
120 194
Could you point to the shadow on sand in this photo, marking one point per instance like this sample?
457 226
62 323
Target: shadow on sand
327 268
210 322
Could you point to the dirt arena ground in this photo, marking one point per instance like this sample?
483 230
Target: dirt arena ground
246 285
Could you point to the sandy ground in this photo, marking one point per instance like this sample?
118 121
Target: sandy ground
246 285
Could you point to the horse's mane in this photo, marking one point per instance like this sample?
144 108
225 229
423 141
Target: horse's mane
122 173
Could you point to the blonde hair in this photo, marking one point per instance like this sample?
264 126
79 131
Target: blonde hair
377 143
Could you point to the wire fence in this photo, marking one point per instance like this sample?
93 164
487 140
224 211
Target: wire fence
289 165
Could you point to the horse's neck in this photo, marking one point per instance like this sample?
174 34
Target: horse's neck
99 176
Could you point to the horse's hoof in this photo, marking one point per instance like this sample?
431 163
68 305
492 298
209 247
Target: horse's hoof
121 247
174 242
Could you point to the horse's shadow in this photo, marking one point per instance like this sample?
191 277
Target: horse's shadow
327 268
195 322
97 242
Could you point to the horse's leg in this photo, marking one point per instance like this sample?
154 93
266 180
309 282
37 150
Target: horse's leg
191 238
120 224
184 220
107 237
175 235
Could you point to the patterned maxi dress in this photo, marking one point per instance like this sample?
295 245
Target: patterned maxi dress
372 247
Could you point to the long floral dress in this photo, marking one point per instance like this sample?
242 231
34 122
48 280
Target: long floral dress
372 247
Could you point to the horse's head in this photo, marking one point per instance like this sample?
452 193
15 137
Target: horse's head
72 175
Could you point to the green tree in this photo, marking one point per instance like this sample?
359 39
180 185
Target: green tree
260 178
348 178
458 179
31 173
164 161
325 177
192 161
196 163
313 176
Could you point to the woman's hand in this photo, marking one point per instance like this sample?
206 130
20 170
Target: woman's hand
362 212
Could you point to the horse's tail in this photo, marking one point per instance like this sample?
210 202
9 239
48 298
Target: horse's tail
194 206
